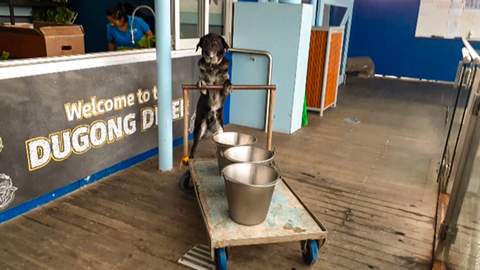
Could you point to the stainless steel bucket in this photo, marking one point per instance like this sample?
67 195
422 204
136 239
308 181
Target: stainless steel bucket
249 188
248 154
226 140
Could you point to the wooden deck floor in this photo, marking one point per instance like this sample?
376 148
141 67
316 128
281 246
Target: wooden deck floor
371 183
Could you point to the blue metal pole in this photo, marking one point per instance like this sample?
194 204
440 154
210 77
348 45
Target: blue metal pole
314 15
319 16
347 42
164 84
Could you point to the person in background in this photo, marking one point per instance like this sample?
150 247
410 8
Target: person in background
119 33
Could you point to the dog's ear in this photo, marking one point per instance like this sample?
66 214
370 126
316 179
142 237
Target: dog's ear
225 44
200 43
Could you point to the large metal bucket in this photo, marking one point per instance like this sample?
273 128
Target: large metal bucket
248 154
249 189
226 140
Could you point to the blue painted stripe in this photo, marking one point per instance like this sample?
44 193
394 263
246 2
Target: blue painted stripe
62 191
226 108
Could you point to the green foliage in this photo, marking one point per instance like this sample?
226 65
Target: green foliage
146 42
60 15
5 55
124 48
38 15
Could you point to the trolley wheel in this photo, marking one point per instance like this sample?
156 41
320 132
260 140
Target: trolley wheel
310 251
221 259
185 182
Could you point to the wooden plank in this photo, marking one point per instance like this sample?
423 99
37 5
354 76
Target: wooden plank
40 256
82 255
378 207
10 254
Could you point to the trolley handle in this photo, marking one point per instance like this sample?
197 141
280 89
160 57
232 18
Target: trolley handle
233 87
270 89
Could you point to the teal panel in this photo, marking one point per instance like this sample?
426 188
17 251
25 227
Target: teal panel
284 31
302 66
248 108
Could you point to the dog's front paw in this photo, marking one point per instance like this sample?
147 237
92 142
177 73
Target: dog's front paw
201 84
227 87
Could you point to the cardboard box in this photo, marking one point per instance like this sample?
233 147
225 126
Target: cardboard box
42 40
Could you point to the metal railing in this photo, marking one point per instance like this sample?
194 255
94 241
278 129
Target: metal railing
462 163
463 82
473 53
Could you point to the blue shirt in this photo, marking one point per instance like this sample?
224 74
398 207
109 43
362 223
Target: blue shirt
124 39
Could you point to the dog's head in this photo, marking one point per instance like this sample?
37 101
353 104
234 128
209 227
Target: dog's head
213 47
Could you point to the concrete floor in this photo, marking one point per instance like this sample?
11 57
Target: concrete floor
371 183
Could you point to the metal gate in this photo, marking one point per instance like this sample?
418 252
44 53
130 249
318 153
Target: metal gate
458 236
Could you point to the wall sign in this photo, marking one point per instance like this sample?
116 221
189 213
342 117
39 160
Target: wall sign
448 19
60 145
63 127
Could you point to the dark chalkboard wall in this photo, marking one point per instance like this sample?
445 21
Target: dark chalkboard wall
34 107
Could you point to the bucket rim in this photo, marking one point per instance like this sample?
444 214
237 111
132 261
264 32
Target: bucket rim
269 185
231 149
229 145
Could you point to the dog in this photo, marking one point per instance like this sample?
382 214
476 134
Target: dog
213 71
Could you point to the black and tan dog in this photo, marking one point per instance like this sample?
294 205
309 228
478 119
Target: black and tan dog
213 71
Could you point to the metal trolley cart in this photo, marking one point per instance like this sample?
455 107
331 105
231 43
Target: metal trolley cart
288 219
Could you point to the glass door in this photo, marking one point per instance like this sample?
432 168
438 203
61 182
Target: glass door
458 237
455 119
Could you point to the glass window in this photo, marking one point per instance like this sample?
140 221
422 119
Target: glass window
195 18
189 19
216 17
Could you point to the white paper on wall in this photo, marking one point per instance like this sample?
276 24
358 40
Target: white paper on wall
449 19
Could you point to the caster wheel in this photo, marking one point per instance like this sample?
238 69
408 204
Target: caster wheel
185 182
221 259
310 251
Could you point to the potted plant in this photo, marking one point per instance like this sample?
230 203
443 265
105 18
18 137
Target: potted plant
4 55
58 13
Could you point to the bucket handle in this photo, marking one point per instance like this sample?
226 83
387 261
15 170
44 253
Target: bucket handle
275 165
274 151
